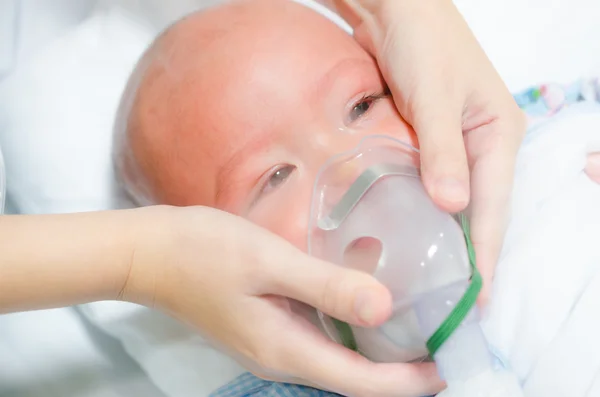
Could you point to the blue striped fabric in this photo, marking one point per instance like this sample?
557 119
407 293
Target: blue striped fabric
249 385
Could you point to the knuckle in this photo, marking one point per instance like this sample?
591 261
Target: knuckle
514 120
520 122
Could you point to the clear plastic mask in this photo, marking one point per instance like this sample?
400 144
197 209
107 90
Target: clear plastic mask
370 212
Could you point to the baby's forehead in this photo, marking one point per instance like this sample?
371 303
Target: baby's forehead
208 63
219 83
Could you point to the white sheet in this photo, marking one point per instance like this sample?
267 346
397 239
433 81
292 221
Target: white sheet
179 361
53 353
26 26
8 27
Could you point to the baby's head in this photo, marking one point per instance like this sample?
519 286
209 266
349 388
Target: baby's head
237 107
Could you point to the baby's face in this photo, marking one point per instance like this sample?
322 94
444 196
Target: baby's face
255 126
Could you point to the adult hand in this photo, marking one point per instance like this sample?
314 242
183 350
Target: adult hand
237 284
468 125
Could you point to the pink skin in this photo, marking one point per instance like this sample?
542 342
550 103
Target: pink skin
243 104
593 167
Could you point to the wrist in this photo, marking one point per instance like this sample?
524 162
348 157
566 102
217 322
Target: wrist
149 254
61 260
381 12
174 246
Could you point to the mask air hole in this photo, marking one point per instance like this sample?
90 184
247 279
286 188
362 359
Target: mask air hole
363 254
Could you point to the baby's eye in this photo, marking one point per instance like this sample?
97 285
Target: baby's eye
365 104
361 108
278 177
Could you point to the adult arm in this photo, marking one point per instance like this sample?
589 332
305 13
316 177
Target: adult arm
229 279
49 261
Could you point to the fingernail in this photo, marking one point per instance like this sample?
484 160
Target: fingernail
364 305
452 190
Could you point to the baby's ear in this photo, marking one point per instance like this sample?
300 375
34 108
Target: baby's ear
592 168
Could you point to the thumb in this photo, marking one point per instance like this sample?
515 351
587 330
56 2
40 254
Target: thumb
444 165
345 294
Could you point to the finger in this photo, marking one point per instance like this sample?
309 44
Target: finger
347 10
489 214
444 163
348 295
592 167
348 373
492 177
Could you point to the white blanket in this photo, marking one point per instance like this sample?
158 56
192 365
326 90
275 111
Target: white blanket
544 315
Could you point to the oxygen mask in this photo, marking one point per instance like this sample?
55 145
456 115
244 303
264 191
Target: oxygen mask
371 212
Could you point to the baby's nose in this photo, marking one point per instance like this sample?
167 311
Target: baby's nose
331 142
338 181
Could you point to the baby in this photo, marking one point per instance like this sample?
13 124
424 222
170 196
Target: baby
238 107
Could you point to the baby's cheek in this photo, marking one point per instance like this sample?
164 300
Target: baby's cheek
294 228
287 221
